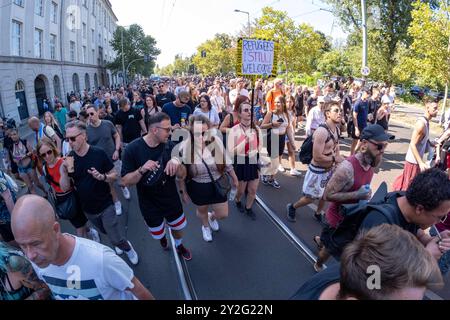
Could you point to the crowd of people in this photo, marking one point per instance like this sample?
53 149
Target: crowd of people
212 141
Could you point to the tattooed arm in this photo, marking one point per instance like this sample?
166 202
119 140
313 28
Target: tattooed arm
341 181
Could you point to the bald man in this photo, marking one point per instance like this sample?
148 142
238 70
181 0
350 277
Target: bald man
73 268
42 131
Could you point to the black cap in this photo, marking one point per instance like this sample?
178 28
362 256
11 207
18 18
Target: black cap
375 132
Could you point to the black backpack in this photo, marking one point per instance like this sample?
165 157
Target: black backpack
354 215
306 152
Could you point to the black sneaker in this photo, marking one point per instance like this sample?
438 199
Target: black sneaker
291 213
164 243
250 214
265 180
240 207
319 217
185 253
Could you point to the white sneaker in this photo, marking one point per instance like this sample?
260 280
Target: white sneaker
213 224
126 193
93 234
295 173
118 251
118 207
132 255
281 168
207 236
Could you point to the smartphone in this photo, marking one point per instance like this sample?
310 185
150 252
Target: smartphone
280 120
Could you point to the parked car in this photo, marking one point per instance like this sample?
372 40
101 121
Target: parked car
433 93
399 90
417 92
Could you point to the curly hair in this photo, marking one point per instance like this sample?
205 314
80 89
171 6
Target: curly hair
429 189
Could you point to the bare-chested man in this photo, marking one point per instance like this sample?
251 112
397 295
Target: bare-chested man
326 155
350 183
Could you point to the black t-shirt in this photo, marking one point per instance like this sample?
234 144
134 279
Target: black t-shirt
95 195
162 99
314 287
131 129
159 200
376 218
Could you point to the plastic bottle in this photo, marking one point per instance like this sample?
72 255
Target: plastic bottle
365 202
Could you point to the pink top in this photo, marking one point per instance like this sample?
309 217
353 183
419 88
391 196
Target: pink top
361 178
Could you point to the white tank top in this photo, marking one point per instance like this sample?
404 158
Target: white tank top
422 145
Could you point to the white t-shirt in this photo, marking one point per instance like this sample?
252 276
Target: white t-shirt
93 272
75 106
212 115
314 120
234 94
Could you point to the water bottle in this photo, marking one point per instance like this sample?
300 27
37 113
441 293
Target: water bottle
365 202
233 194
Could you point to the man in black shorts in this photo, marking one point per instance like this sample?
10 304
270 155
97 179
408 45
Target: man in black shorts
147 163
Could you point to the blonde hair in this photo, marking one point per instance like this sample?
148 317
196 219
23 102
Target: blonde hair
402 259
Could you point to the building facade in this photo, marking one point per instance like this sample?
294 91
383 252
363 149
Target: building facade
52 48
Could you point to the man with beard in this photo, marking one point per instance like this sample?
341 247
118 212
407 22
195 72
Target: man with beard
420 143
351 183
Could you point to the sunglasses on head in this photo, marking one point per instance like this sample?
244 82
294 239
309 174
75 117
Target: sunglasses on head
48 153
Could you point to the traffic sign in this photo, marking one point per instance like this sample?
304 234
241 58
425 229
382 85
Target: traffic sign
365 71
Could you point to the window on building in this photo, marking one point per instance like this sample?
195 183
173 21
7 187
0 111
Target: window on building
94 6
84 30
85 3
38 38
93 36
53 47
72 51
84 55
54 12
93 56
16 38
20 3
39 7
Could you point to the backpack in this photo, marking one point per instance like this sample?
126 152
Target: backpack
355 214
306 151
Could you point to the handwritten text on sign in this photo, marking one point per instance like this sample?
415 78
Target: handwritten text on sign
257 57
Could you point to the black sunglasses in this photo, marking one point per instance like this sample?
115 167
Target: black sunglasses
49 152
73 139
380 147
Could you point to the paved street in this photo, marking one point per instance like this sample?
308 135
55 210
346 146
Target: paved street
247 259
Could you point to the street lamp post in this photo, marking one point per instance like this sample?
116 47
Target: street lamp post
364 29
248 16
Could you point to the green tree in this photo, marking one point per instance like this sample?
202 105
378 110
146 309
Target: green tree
216 56
388 22
300 45
335 62
136 45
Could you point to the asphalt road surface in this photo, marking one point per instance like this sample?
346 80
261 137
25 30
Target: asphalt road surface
247 260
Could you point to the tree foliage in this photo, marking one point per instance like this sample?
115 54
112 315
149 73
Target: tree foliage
300 45
427 60
136 45
388 22
216 56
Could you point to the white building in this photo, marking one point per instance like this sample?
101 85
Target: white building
50 48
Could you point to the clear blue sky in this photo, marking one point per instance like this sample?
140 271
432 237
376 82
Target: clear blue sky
179 26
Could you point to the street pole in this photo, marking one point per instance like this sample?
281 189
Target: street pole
364 29
249 26
123 60
444 107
